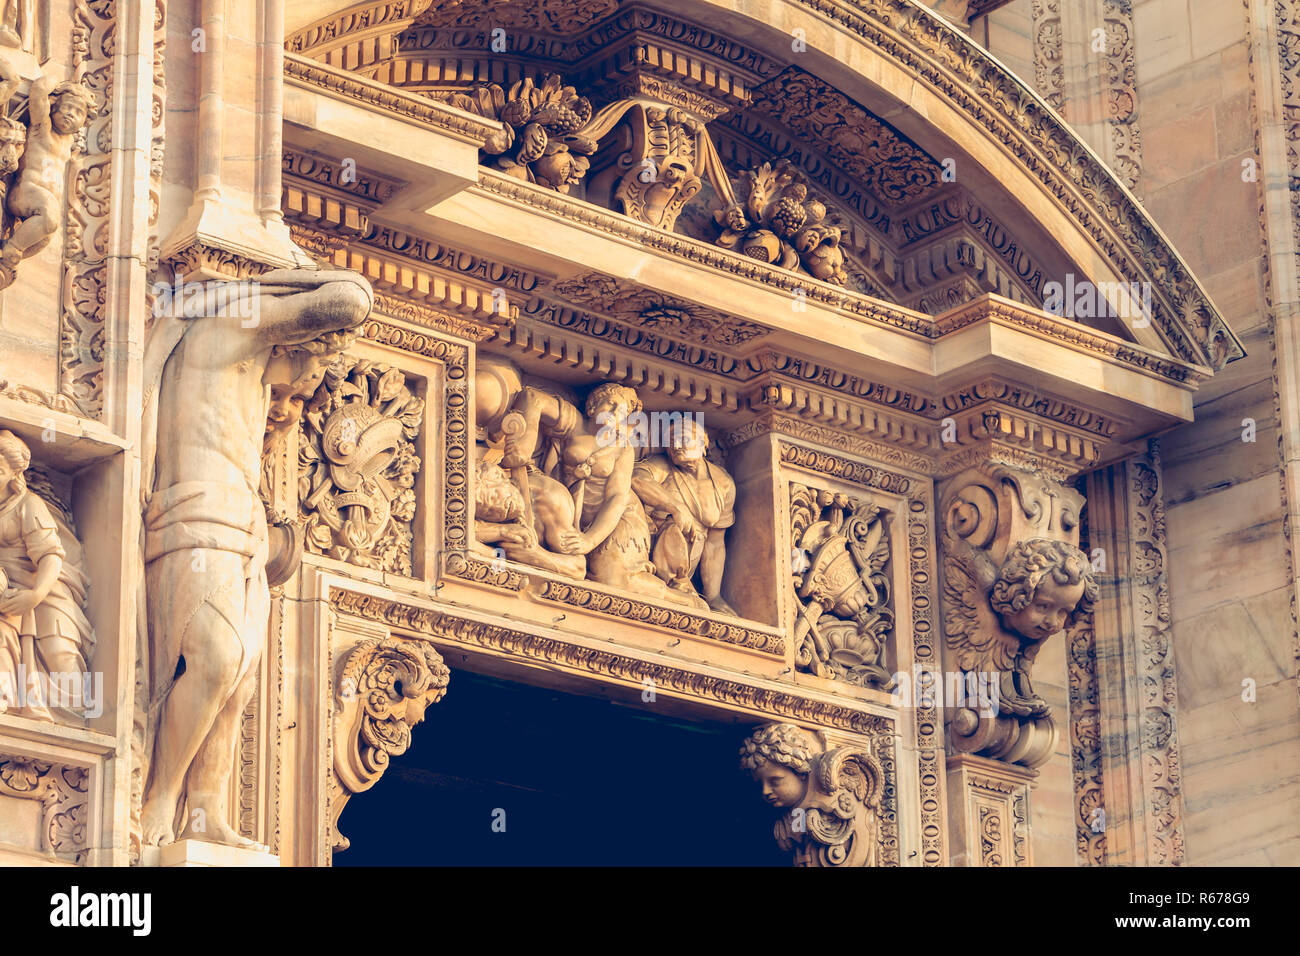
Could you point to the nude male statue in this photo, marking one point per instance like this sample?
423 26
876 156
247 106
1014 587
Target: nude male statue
56 116
205 534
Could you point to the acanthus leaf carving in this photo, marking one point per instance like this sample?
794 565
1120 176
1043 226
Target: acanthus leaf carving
357 465
383 689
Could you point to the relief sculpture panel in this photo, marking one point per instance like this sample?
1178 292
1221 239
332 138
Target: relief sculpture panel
600 490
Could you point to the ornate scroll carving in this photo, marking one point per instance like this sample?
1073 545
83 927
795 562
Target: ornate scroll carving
541 139
46 642
357 464
62 792
871 152
1049 66
774 220
662 161
1120 76
831 799
81 333
383 689
842 587
1161 766
1013 577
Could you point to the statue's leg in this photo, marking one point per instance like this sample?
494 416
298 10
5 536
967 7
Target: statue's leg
213 650
40 223
65 667
209 780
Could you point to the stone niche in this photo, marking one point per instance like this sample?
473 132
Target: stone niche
594 480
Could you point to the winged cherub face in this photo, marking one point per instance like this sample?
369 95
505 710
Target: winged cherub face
782 787
1046 612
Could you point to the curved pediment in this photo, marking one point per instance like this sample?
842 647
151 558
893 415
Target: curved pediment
942 175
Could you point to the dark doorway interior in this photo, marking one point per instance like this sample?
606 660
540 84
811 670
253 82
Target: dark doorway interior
582 781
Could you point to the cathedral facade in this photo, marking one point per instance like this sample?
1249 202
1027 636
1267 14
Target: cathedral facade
885 415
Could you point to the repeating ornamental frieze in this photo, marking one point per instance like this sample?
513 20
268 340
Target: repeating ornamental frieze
382 690
844 619
1013 576
357 462
670 678
1119 72
1161 761
1049 66
831 799
81 327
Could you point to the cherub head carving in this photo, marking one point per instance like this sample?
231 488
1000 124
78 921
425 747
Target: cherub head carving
71 106
780 756
1040 585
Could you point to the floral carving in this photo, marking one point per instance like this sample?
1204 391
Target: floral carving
62 792
870 151
357 464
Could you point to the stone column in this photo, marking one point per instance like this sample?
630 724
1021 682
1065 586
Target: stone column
1134 793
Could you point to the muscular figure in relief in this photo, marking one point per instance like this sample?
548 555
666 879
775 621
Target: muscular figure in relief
205 528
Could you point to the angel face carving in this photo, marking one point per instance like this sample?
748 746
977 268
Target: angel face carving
1040 585
830 799
779 758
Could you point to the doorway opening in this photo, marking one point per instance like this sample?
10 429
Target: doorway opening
506 774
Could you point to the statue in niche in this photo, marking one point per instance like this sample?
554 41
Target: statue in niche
691 503
55 116
831 800
205 534
20 24
46 642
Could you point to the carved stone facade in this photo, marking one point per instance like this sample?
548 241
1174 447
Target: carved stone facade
661 357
